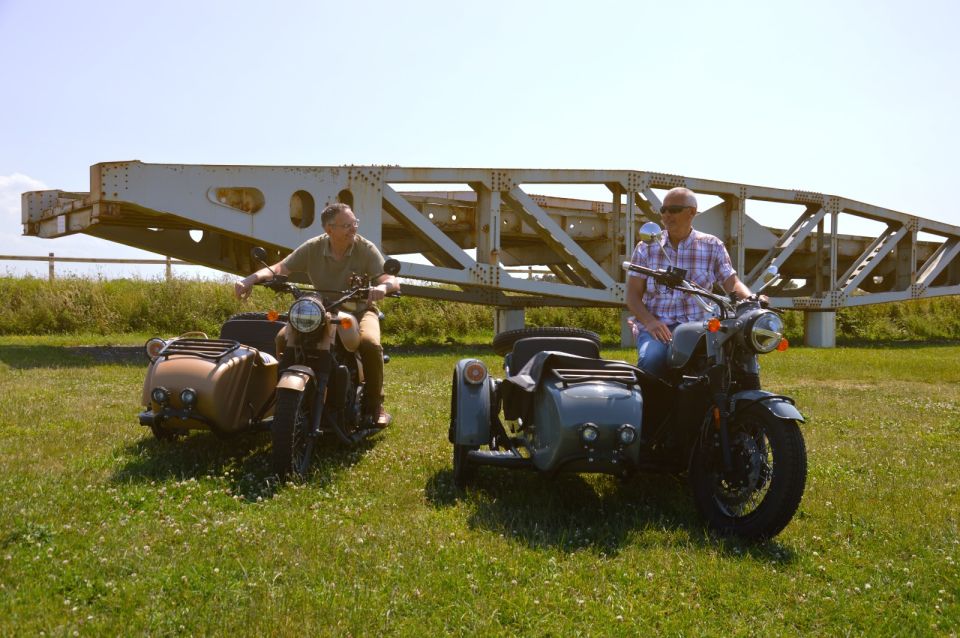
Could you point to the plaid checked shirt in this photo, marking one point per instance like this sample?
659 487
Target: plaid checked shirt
706 261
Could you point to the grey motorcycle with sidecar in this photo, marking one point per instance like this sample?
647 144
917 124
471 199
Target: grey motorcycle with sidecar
565 409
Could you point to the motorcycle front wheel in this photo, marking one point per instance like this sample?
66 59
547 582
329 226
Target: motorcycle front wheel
761 493
292 444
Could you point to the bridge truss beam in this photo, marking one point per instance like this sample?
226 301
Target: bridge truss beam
478 231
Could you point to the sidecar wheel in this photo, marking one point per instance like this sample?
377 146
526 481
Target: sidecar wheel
165 434
503 342
464 472
759 498
292 445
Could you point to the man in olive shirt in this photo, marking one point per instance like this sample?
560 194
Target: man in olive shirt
329 260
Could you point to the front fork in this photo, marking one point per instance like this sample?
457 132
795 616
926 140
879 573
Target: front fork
720 416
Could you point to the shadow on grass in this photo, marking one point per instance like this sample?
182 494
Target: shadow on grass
29 357
243 461
572 512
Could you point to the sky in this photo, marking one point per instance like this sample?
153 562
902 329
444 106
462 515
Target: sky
856 99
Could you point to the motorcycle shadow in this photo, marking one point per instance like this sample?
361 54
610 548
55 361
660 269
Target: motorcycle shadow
242 462
573 512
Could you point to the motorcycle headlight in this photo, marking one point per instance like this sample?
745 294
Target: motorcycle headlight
765 332
306 315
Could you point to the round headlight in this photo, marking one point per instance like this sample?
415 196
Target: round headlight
589 433
765 332
160 395
188 397
627 433
306 315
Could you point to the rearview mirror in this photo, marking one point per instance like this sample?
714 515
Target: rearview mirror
650 233
391 266
259 254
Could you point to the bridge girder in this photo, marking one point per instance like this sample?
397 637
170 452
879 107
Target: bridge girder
475 226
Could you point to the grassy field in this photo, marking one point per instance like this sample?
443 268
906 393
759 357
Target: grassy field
105 531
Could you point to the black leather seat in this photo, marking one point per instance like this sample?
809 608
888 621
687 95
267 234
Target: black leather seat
254 333
524 349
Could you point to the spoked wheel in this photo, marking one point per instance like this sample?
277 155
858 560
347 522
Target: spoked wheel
762 492
292 444
349 422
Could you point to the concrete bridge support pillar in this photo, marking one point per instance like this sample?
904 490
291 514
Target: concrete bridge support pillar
820 329
508 319
626 331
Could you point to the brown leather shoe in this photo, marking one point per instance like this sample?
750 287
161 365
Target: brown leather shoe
384 419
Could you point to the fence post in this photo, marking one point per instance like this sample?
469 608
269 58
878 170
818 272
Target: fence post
51 267
169 268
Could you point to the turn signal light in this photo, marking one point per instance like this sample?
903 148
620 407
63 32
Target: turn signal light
783 345
273 315
713 325
474 372
346 323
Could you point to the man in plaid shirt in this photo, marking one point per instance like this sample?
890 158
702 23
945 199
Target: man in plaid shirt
657 309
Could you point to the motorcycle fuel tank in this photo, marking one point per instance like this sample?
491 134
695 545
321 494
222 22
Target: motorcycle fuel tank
562 409
686 336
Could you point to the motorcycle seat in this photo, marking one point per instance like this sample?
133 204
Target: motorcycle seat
525 349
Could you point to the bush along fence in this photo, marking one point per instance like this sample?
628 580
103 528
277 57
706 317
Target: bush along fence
79 305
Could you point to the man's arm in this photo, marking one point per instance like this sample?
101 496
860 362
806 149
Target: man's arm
737 287
386 284
636 286
243 287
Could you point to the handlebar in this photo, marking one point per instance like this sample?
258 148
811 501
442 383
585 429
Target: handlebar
675 278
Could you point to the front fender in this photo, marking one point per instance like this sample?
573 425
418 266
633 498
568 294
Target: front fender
777 405
296 378
470 408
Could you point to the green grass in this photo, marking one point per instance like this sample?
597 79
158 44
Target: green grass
104 531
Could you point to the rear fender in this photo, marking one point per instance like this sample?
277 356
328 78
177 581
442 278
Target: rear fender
295 378
777 405
470 408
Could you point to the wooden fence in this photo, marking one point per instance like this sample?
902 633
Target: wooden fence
51 259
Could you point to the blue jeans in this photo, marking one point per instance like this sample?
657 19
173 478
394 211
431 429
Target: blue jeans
652 354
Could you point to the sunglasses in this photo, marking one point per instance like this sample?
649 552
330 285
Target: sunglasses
672 210
346 226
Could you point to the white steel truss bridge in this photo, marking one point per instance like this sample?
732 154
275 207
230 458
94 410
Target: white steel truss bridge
477 234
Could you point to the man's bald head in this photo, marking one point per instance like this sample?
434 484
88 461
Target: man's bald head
680 196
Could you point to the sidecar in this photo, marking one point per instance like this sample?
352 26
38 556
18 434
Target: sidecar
564 408
225 385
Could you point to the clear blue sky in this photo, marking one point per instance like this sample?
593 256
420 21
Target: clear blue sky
858 99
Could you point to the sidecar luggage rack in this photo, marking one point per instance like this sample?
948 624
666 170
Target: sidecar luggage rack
579 375
205 348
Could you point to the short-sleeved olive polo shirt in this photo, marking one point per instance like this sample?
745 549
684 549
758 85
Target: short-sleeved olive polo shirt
315 257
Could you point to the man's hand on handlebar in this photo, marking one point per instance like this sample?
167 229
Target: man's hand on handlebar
377 293
243 287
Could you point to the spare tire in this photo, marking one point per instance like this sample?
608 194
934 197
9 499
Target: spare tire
503 342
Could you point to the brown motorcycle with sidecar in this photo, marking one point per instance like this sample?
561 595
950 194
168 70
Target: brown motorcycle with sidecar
234 384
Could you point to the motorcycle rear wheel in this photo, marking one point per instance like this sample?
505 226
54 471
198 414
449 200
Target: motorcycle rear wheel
759 500
292 450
